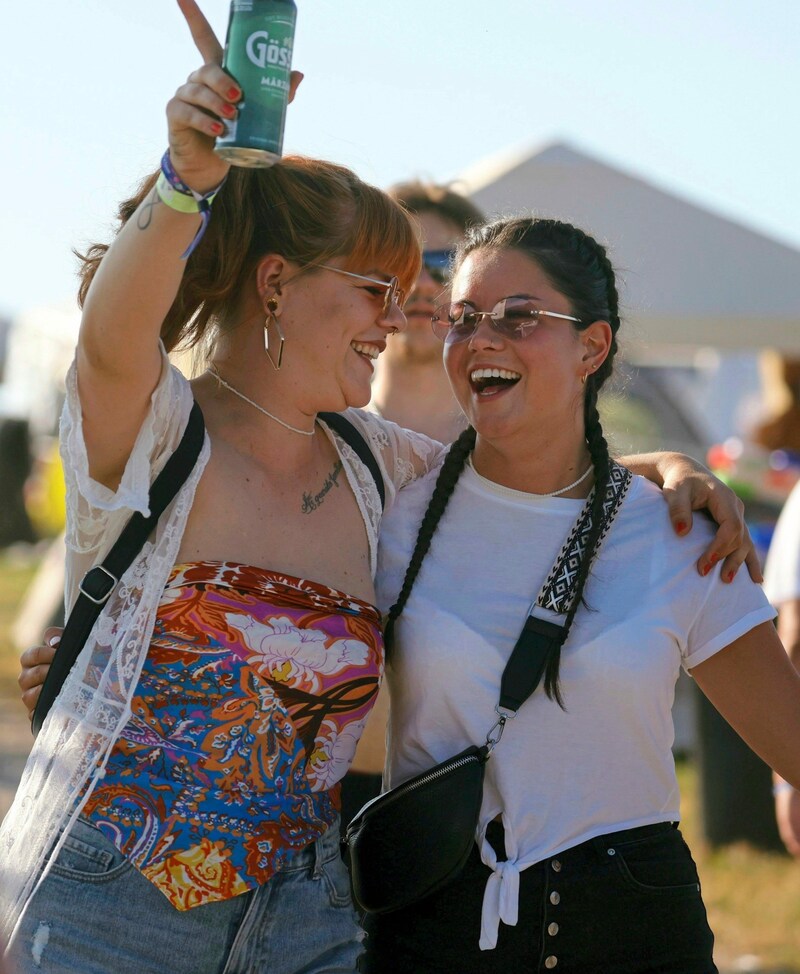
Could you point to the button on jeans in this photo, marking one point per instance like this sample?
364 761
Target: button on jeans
627 902
95 913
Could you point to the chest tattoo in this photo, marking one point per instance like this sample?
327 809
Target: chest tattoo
312 501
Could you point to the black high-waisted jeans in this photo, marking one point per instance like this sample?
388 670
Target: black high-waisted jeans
624 903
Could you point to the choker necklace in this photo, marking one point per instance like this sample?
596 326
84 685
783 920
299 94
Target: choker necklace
552 493
261 409
580 480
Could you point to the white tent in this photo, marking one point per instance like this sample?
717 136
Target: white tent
690 278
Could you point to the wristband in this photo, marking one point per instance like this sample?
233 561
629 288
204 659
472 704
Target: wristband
174 193
781 787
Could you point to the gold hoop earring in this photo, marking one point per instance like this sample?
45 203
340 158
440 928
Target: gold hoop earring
272 318
583 378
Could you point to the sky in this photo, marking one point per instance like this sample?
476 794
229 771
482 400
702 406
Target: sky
698 96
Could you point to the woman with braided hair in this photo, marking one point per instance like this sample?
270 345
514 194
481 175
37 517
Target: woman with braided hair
578 864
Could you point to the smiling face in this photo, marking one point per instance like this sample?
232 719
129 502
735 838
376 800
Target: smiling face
519 387
335 328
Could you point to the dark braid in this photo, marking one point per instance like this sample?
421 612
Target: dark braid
579 268
445 485
601 461
594 257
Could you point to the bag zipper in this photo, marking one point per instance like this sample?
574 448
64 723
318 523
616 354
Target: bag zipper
431 775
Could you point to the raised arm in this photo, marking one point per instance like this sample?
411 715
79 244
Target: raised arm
135 284
118 358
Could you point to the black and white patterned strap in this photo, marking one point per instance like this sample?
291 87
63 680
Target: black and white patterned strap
558 592
540 638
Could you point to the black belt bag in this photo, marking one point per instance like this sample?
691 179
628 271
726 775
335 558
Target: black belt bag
413 840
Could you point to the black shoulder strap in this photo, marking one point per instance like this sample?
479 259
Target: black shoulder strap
541 637
101 580
339 424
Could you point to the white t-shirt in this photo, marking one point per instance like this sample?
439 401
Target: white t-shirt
557 777
782 571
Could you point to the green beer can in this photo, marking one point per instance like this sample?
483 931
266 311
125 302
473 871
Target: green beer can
258 54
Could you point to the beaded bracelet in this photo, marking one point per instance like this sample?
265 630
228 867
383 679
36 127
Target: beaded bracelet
781 787
174 192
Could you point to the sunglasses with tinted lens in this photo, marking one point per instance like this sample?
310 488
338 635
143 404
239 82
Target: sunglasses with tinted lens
438 263
513 318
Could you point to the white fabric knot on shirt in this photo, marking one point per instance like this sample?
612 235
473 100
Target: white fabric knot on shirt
501 898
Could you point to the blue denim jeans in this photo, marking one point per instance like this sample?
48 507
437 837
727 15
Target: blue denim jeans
624 903
96 914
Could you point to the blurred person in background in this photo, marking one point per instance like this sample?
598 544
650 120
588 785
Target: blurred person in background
782 585
411 388
781 430
16 464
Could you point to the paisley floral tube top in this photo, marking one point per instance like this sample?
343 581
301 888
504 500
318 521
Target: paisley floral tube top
253 696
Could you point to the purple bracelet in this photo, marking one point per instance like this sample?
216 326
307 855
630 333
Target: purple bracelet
203 200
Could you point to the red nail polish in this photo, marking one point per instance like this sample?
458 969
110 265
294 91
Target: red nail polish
730 576
234 94
680 527
228 111
714 559
218 127
707 569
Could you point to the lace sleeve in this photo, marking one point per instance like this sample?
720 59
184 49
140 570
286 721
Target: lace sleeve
94 512
402 454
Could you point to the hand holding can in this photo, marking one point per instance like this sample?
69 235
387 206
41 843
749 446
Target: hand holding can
202 108
258 56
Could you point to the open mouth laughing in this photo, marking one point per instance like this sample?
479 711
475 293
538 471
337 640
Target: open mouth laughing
488 382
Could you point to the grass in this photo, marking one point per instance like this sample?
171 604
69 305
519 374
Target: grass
753 897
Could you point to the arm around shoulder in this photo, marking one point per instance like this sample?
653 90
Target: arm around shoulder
689 486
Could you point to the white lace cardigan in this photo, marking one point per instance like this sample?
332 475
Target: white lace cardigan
71 751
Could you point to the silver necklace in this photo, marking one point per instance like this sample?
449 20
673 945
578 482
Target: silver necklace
261 409
580 480
552 493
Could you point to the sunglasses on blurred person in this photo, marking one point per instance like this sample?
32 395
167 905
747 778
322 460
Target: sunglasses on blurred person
438 263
